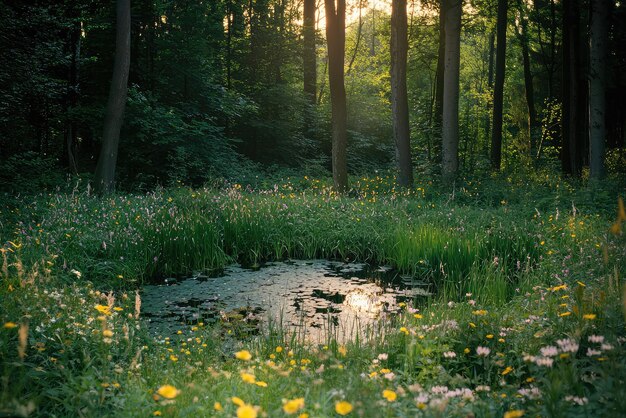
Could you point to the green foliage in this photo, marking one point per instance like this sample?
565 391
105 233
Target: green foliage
168 145
29 172
544 336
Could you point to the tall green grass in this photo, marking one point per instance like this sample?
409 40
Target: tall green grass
181 231
510 258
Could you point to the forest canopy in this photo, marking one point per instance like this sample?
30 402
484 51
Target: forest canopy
230 89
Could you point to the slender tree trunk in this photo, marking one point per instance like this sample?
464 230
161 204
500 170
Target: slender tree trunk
492 54
373 43
229 43
450 114
320 95
441 57
309 64
358 39
534 130
552 68
597 87
105 170
72 96
498 92
309 58
399 99
571 96
152 28
336 38
279 43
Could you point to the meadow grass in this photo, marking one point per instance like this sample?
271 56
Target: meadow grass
527 316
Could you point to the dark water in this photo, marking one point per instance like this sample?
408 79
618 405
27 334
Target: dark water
314 299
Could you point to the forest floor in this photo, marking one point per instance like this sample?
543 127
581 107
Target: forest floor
528 317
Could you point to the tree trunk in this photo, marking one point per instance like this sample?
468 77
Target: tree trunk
498 91
309 58
373 43
399 99
553 49
72 96
358 38
105 170
278 44
534 130
450 113
441 57
570 159
597 87
229 44
336 38
320 95
492 54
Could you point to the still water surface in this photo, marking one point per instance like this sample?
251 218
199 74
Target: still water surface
314 298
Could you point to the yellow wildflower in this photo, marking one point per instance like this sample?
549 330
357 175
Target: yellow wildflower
237 401
9 325
390 395
506 371
480 312
248 377
404 330
107 333
516 413
243 355
343 408
168 391
246 411
218 406
589 316
293 406
104 309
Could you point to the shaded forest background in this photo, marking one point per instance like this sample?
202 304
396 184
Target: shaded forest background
216 90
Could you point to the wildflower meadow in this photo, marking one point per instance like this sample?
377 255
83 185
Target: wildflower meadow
526 316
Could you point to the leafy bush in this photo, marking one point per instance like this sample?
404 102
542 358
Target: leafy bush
30 172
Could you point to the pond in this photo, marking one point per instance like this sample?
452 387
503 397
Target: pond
314 299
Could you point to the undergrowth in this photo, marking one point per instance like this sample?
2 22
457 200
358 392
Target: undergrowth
527 317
